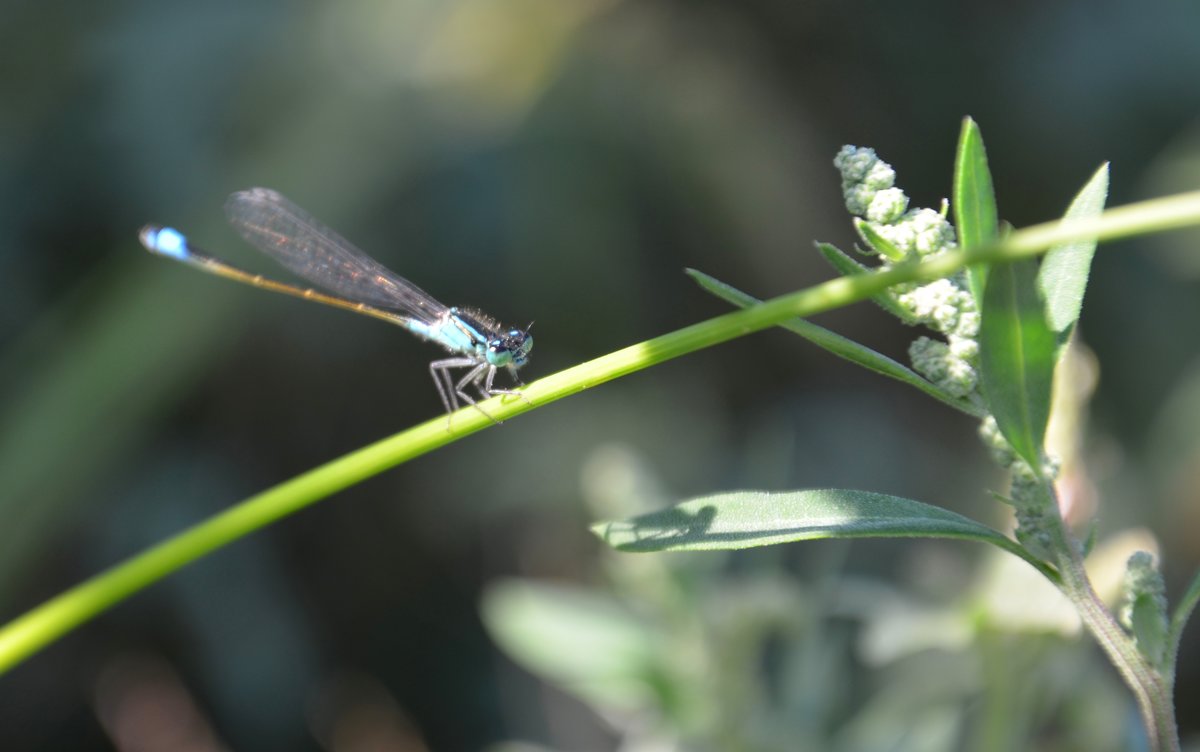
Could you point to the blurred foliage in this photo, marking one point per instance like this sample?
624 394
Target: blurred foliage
679 652
560 162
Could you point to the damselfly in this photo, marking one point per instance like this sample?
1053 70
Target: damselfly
356 282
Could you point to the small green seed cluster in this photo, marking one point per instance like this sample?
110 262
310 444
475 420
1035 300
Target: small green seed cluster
1026 493
946 305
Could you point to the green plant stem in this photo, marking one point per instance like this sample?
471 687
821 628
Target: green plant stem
49 621
1183 610
1151 689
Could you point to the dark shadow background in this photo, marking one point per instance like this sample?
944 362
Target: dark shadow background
542 160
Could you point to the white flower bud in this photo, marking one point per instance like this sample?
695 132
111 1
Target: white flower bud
887 206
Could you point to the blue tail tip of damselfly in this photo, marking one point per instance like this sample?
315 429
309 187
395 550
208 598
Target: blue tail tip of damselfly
164 241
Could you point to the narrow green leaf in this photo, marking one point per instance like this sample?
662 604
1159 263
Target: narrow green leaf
847 266
975 214
841 261
744 519
877 242
1017 353
1063 276
1183 612
840 346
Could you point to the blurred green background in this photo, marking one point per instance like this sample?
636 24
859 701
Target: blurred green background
559 161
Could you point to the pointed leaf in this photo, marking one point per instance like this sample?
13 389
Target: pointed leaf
840 346
744 519
877 242
1017 353
847 266
1064 273
975 214
843 262
1183 612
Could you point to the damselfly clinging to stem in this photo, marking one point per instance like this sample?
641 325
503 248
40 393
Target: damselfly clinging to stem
356 282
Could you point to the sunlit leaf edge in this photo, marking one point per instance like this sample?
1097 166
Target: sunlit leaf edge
974 200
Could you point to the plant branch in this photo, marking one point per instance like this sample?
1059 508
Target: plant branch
37 628
1148 685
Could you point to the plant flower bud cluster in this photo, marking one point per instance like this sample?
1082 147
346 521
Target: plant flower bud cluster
945 305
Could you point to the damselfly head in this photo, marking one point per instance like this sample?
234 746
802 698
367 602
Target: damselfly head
511 349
